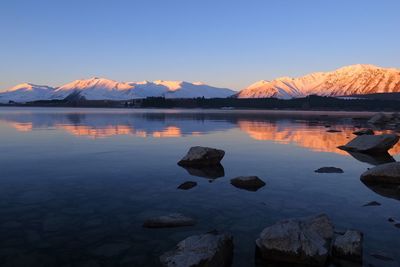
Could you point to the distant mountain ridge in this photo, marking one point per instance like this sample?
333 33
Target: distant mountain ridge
350 80
104 89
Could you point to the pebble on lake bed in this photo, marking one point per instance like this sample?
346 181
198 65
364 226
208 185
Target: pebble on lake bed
329 170
170 220
187 185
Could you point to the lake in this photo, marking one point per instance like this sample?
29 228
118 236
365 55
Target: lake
77 184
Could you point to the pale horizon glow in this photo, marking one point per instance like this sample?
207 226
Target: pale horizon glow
229 44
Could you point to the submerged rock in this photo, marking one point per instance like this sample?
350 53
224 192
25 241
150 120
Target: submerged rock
187 185
333 131
198 156
170 220
349 246
329 170
208 250
364 131
382 256
250 183
371 143
395 222
372 203
302 241
379 118
388 173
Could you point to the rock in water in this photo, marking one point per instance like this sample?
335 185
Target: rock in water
349 246
388 173
250 183
187 185
198 156
170 220
364 131
372 203
329 170
208 250
302 241
379 118
371 143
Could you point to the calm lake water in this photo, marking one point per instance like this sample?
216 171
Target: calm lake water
77 184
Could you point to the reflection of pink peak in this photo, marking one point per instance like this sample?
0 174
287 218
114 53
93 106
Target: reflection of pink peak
314 139
23 127
170 131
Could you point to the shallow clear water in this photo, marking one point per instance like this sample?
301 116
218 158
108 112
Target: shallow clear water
77 184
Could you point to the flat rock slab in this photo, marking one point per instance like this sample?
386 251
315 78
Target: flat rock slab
371 143
170 220
199 156
301 241
329 170
250 183
388 173
187 185
364 131
208 250
349 246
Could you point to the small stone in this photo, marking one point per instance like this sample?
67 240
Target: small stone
187 185
372 203
250 183
364 131
329 170
349 246
333 131
167 221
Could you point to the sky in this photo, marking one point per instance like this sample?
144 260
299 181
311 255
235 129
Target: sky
222 43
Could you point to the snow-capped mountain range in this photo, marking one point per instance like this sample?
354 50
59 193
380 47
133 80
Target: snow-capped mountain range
105 89
350 80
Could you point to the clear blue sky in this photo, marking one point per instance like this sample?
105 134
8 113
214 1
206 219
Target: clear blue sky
223 43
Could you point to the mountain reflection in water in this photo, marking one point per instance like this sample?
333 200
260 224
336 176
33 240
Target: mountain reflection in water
307 132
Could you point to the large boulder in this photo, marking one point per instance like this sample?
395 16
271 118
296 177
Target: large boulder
199 156
250 183
371 143
208 250
301 241
349 246
388 173
170 220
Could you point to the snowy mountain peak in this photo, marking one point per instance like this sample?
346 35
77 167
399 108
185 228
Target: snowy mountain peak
27 87
96 88
348 80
